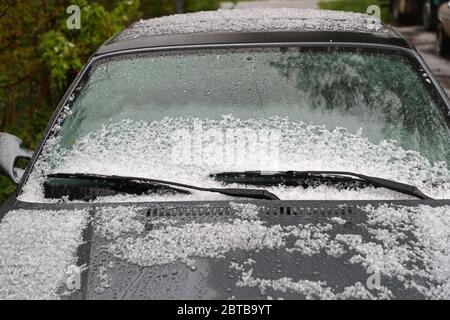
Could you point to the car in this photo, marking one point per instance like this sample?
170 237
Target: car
243 154
424 11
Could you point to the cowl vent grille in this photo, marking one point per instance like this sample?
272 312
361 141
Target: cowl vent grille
180 211
300 210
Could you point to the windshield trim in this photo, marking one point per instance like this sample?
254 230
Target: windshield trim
94 59
255 37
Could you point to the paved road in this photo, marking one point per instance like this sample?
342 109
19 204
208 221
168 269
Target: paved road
304 4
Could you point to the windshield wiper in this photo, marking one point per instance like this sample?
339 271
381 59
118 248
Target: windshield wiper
135 184
306 177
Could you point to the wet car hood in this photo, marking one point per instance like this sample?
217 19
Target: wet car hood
264 250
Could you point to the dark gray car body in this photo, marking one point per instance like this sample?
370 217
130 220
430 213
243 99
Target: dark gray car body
213 278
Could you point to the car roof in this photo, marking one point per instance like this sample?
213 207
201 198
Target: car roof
254 26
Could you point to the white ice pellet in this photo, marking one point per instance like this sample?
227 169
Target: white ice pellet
429 246
408 244
303 146
310 289
36 248
255 20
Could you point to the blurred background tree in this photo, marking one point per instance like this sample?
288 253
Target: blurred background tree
40 56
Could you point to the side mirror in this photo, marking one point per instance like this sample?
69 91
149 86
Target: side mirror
11 150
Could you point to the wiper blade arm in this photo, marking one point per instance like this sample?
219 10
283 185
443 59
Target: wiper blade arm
302 175
234 192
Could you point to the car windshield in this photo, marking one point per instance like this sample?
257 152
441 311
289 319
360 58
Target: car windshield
184 114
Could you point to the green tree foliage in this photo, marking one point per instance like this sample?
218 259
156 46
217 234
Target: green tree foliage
356 6
155 8
40 56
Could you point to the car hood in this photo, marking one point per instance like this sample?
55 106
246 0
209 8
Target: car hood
236 250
